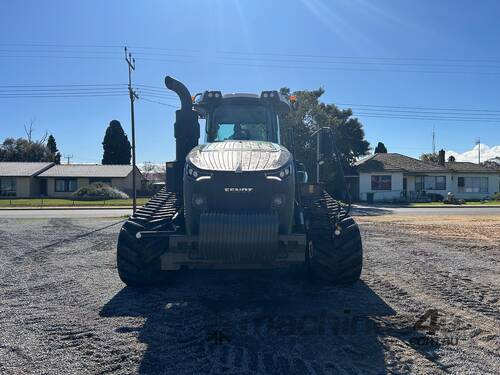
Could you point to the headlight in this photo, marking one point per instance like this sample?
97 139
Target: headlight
195 173
282 174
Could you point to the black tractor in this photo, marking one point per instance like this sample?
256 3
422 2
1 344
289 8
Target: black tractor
240 200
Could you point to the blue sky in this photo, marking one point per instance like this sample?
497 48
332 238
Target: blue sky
429 54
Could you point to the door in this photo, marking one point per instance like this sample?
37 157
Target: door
405 184
43 187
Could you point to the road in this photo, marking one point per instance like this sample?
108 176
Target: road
357 210
65 311
63 213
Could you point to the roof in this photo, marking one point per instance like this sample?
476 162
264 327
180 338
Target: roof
396 163
462 167
87 170
22 169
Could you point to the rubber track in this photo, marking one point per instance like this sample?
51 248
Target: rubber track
336 259
139 260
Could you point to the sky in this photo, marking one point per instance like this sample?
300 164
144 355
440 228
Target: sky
405 67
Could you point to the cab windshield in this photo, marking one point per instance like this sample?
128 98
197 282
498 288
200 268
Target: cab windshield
241 122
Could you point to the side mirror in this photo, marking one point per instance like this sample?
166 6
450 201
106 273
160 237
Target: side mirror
326 142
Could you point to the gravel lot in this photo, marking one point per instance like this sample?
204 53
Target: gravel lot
64 310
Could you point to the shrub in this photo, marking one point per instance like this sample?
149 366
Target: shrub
98 190
434 197
496 197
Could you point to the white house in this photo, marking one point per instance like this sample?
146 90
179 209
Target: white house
27 179
18 179
64 179
391 176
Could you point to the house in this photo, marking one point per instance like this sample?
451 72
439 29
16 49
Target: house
392 176
64 179
19 179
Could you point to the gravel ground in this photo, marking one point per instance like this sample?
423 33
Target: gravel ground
63 309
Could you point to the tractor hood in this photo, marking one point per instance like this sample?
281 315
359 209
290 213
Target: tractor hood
239 156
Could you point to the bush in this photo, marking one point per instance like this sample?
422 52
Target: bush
434 197
98 190
148 189
496 197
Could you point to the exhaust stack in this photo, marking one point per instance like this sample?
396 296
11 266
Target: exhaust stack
186 133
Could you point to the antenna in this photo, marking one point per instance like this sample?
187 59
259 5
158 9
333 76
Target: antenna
68 157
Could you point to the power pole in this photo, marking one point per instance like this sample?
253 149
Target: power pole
318 168
478 142
67 157
433 140
133 95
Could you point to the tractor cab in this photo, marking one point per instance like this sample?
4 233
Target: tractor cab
241 117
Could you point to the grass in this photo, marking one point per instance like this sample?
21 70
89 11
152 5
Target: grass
60 202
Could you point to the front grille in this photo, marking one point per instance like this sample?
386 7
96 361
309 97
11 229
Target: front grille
238 238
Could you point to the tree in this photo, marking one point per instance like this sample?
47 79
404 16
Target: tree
431 157
26 149
52 146
21 149
451 159
311 114
380 149
116 145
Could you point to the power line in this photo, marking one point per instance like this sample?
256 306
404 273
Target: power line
246 53
157 102
430 108
61 95
426 113
482 121
306 59
68 85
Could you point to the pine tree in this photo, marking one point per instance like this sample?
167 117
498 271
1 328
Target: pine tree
116 145
52 146
380 149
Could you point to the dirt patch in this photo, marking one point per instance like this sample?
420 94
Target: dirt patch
476 230
64 310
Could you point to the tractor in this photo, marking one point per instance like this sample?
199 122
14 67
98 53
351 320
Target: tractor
240 200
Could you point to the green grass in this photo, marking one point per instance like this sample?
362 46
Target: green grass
60 202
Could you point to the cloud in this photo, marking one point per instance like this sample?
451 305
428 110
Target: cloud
487 153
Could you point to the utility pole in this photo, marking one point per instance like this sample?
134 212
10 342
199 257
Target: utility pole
433 139
67 157
478 142
318 168
133 95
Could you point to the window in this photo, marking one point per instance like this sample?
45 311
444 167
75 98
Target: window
419 183
381 182
435 183
7 187
240 122
65 185
473 184
430 183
